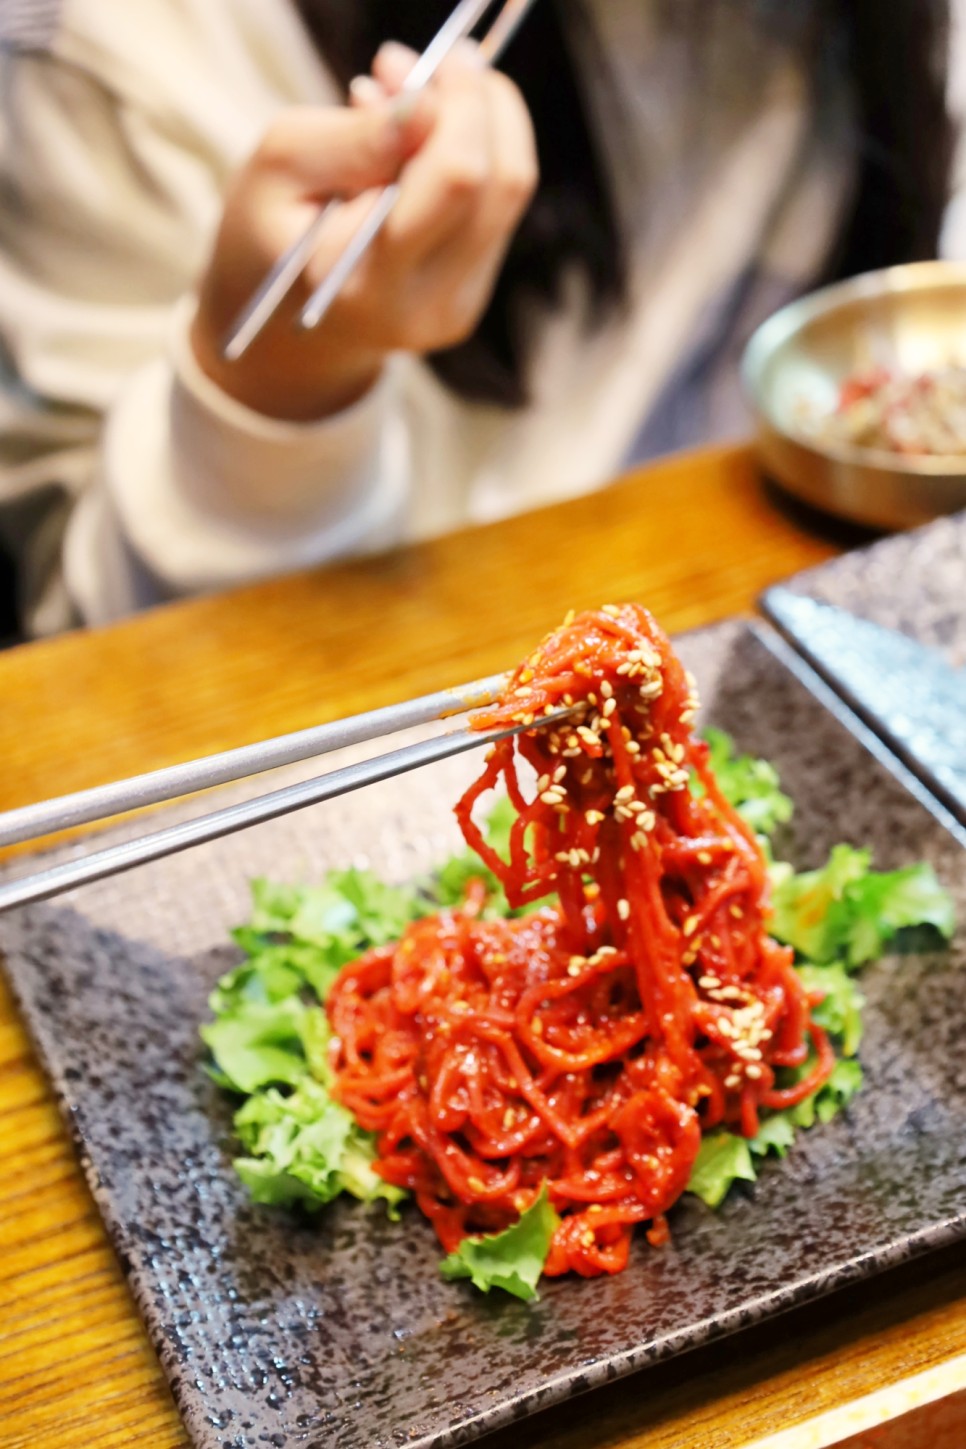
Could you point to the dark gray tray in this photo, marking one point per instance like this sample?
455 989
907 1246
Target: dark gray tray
914 582
863 619
338 1332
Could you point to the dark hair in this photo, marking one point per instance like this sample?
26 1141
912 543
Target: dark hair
892 52
896 54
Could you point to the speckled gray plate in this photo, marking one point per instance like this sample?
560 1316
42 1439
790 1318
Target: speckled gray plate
338 1332
908 588
914 582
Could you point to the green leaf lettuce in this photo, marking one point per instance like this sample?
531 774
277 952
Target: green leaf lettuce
305 1148
512 1260
847 911
722 1159
750 785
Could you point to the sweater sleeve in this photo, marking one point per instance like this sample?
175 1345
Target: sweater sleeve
108 207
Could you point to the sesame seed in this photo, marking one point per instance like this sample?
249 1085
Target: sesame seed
609 706
508 1117
704 857
623 910
626 792
593 817
691 925
476 1184
559 773
736 911
612 610
569 618
753 1071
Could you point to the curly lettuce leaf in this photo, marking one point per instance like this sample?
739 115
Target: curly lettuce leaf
512 1260
776 1133
305 1148
257 1044
840 1010
831 1097
886 902
847 911
723 1158
750 785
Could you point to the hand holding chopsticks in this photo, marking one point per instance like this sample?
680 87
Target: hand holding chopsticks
283 276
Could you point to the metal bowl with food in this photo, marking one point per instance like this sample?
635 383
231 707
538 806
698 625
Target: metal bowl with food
857 388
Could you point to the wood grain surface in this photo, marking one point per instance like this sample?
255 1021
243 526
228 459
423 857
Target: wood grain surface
696 538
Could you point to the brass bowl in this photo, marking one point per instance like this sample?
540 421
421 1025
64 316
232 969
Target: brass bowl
912 318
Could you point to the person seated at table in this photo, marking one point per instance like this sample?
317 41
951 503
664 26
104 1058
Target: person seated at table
509 341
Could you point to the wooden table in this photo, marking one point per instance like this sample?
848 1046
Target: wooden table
696 538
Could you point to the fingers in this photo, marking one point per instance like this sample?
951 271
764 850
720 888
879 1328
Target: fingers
327 152
465 269
365 91
452 255
392 65
443 183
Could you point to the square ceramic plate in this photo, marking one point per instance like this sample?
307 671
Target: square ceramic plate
886 626
914 582
338 1331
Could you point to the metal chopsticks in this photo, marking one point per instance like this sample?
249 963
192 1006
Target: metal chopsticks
292 263
48 816
125 856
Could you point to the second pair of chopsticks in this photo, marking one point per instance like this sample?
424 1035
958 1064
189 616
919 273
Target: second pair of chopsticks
50 816
291 265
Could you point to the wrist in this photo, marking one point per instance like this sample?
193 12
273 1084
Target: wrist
282 379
